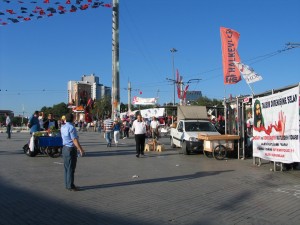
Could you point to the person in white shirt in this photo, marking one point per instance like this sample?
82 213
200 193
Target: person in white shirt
139 129
154 128
8 126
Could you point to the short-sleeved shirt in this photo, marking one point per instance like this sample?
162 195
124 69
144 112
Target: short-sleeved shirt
8 121
108 125
154 124
68 133
139 127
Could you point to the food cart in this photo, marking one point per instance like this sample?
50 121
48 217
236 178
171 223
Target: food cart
44 143
217 145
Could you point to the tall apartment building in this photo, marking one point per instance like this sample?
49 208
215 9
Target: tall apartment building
79 92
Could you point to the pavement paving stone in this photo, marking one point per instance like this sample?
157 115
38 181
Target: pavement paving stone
161 188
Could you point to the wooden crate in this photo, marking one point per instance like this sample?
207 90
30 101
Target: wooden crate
160 148
148 147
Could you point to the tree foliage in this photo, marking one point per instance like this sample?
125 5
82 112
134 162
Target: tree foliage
58 110
205 101
102 107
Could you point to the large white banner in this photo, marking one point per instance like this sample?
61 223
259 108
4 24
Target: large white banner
157 112
276 127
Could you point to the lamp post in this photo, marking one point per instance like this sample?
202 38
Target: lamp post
173 50
115 62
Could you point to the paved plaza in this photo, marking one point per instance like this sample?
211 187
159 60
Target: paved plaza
162 188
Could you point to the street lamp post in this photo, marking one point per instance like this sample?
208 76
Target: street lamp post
173 50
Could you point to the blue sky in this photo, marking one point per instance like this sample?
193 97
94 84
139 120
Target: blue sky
38 58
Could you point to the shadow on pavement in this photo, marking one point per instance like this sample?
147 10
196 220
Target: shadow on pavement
26 207
156 180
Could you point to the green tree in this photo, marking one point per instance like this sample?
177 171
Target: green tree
102 107
205 101
58 110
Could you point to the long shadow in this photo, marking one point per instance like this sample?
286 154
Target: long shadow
20 206
157 180
119 151
110 153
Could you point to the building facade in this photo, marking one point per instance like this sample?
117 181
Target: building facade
193 96
79 92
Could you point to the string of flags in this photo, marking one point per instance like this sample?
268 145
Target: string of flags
21 11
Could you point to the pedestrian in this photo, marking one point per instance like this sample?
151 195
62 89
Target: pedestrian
139 129
8 126
108 129
51 123
34 123
126 126
154 128
116 130
70 147
41 120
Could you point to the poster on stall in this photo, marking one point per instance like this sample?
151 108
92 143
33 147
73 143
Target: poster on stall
276 126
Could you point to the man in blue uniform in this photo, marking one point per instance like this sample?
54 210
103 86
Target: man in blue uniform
71 146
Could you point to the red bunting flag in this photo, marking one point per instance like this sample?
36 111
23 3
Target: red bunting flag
36 10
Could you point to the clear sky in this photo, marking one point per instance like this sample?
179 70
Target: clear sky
39 57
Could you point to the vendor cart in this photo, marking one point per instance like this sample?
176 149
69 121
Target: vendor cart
44 144
217 146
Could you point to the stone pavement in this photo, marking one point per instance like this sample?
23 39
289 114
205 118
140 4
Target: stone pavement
162 188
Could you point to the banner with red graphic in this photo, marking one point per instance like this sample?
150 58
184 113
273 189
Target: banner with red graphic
276 126
144 101
229 40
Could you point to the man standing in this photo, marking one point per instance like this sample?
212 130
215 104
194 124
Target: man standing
8 125
71 145
154 128
51 122
139 128
108 129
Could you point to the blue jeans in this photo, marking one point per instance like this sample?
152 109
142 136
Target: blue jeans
108 137
70 160
8 131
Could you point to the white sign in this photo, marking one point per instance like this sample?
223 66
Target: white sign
276 127
144 101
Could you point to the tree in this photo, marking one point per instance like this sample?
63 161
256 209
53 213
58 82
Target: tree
58 110
205 101
102 107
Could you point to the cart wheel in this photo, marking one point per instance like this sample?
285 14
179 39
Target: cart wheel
219 152
28 152
54 152
184 149
208 154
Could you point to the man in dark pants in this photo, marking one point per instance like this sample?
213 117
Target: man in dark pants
139 128
71 145
8 125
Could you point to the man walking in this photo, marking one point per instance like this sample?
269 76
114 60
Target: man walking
8 126
108 129
71 145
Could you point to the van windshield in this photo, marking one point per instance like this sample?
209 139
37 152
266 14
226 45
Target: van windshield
200 126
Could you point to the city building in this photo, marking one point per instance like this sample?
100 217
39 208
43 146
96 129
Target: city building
79 92
192 96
